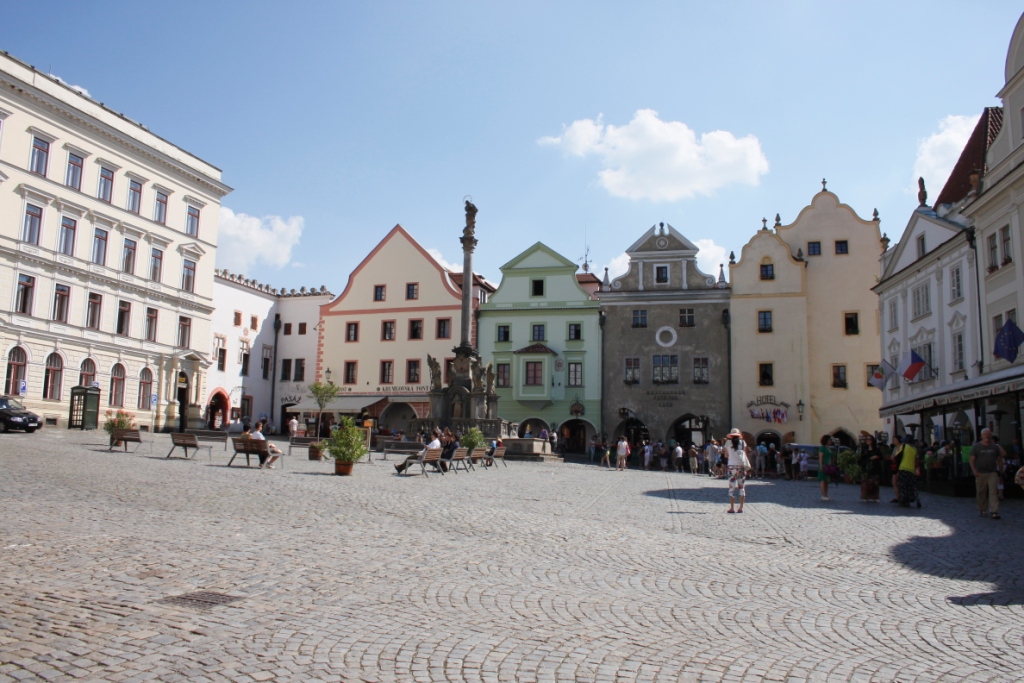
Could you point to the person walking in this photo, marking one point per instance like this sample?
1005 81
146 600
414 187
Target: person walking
904 455
987 461
825 458
692 456
621 453
760 460
871 468
606 455
735 449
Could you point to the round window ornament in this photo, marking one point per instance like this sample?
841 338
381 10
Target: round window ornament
661 243
559 364
665 336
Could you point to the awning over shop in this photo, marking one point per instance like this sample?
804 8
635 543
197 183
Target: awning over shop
341 404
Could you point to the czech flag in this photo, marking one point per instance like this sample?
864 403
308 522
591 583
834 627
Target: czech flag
910 365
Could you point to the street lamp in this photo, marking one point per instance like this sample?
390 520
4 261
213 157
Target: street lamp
800 409
327 375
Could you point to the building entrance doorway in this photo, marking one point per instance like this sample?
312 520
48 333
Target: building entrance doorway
768 437
182 401
218 412
635 431
574 434
687 429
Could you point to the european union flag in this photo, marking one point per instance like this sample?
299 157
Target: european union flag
1007 341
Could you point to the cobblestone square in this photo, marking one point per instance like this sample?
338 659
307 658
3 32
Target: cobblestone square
534 572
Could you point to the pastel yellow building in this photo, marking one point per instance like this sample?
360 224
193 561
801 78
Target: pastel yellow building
804 327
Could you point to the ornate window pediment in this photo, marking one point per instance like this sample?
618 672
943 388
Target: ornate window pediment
957 321
894 347
922 336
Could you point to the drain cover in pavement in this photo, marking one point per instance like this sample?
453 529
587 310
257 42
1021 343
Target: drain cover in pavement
200 600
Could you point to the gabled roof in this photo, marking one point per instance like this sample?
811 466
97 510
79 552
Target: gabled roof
543 248
972 158
478 280
536 348
583 278
921 213
675 241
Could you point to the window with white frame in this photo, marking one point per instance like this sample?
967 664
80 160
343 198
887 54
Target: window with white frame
632 371
922 300
958 351
40 156
665 369
894 321
925 352
73 176
993 253
33 224
922 249
66 238
701 371
575 374
1004 240
105 190
956 285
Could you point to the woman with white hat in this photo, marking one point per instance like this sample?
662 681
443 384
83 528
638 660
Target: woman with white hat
739 465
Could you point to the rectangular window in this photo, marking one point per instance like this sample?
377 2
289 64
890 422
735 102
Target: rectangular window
842 247
99 247
851 323
444 328
764 321
534 373
184 332
40 156
767 271
188 275
302 328
352 332
921 248
956 290
1004 238
350 372
156 265
538 333
33 224
412 290
839 376
701 371
997 324
922 301
387 330
632 371
128 257
537 287
26 287
73 177
66 241
575 331
222 358
387 372
160 209
665 369
504 375
266 362
639 318
503 333
415 329
894 321
192 222
412 372
814 248
379 292
575 378
925 351
661 275
61 301
286 370
871 369
287 328
134 196
254 323
298 370
238 319
93 311
106 188
993 253
765 374
124 318
686 318
958 351
151 317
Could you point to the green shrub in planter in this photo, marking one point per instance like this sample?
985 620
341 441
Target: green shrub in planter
346 443
473 439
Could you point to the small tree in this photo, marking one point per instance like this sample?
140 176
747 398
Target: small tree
472 439
323 393
347 443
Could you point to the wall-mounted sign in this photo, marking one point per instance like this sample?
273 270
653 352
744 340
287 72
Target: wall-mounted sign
152 400
761 408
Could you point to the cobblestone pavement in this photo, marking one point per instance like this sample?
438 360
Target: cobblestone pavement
534 572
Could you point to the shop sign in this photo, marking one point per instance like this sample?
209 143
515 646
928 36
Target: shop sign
761 409
406 389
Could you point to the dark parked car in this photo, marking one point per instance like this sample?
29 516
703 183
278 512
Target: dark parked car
14 416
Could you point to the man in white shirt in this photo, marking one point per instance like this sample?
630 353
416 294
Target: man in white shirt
434 445
275 452
621 453
293 426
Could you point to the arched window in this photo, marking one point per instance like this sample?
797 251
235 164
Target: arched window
87 373
145 388
16 361
117 385
53 379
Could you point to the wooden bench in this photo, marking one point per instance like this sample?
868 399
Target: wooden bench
405 448
186 441
214 435
248 447
124 436
427 457
457 456
301 442
498 454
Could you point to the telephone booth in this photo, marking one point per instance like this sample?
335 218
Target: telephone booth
85 408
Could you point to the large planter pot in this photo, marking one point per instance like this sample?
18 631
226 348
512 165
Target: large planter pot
343 469
315 453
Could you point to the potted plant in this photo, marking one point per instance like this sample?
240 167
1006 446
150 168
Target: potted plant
472 440
122 419
849 465
323 394
346 445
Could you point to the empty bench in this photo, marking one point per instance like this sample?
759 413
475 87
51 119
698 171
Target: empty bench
250 447
212 435
301 442
124 436
186 441
403 448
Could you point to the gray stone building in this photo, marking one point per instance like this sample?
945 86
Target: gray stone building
666 344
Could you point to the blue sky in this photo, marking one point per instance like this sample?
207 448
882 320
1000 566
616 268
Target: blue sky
568 123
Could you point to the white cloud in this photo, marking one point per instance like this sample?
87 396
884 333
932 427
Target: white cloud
247 241
938 153
662 160
616 267
711 256
436 253
73 87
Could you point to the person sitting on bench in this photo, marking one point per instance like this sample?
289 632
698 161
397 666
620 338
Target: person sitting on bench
434 444
275 452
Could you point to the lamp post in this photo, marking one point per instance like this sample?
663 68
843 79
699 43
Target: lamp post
956 430
800 409
327 375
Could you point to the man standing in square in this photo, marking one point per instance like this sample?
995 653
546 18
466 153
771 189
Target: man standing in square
987 459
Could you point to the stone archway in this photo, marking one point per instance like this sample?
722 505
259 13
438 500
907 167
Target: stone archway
686 429
634 430
576 434
535 425
844 438
768 436
218 410
397 417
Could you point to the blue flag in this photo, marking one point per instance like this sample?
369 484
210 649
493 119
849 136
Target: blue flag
1007 341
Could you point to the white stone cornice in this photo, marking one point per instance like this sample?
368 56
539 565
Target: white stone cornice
3 176
136 177
77 150
108 164
158 240
132 230
191 248
4 114
27 191
166 190
36 132
198 203
65 206
103 218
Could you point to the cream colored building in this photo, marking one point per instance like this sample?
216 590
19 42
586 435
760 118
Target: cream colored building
108 240
804 327
399 306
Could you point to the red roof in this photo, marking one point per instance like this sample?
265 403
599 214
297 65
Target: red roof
587 277
972 158
536 348
477 279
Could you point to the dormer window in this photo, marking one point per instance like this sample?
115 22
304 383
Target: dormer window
921 248
767 271
661 275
